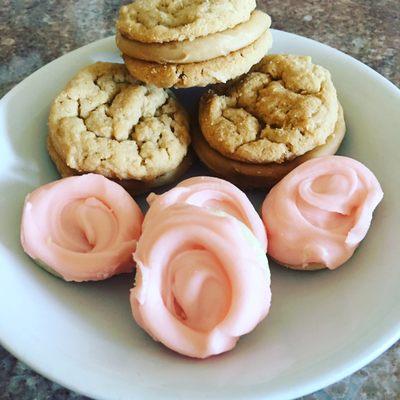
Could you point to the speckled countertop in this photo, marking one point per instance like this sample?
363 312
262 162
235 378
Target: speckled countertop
34 32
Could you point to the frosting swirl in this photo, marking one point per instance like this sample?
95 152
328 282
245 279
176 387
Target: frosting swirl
320 212
81 228
202 280
212 193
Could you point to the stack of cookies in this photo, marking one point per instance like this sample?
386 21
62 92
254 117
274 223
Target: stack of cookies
189 43
268 114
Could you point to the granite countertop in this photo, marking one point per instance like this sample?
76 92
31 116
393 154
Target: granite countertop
34 32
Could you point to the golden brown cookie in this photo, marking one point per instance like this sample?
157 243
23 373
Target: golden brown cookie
204 73
106 122
249 175
285 107
158 21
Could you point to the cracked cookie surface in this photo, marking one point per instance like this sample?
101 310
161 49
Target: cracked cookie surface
105 121
217 70
284 107
158 21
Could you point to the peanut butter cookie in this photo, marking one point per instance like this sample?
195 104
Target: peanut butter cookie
248 175
158 21
204 73
106 122
286 106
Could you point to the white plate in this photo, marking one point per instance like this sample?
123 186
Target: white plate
322 326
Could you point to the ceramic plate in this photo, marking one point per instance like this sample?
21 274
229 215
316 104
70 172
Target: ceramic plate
322 326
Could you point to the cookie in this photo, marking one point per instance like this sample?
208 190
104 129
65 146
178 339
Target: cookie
82 228
182 43
202 280
317 215
106 122
216 70
285 107
158 21
248 175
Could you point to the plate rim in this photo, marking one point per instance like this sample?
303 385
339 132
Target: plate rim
347 368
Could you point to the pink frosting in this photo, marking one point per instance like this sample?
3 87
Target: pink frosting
213 193
320 212
81 228
202 280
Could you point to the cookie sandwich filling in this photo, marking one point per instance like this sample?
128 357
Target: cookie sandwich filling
199 49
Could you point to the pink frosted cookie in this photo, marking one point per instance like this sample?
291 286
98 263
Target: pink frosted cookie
318 214
202 280
82 228
212 193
